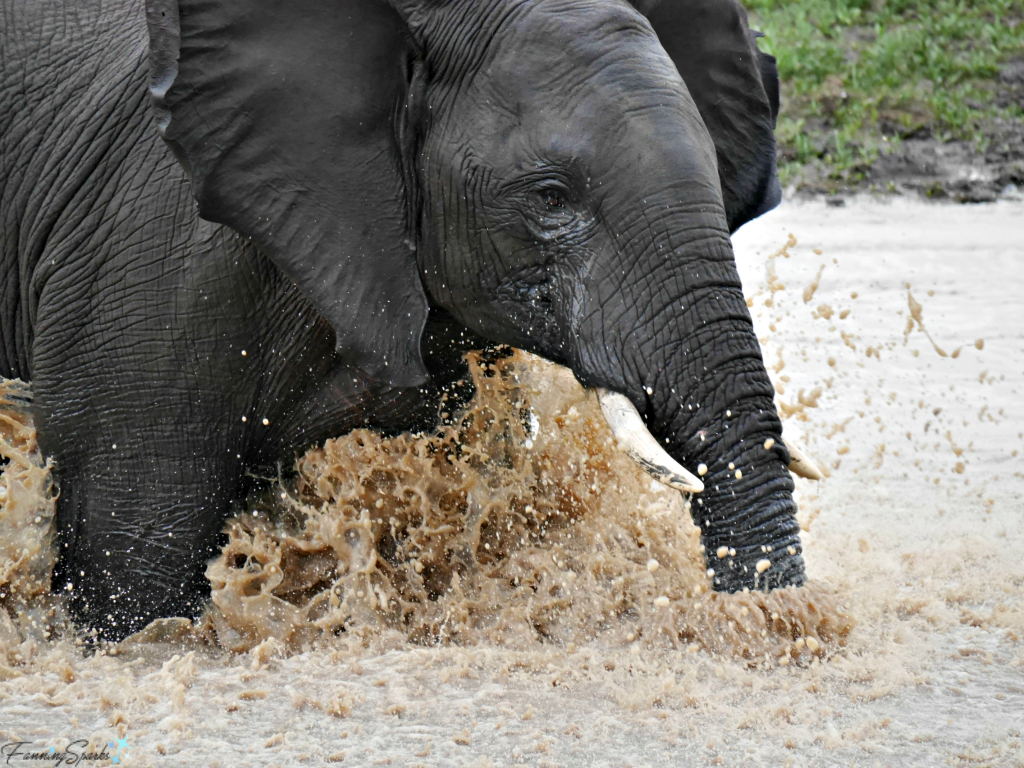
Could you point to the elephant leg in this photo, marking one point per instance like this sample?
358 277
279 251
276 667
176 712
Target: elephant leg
139 403
145 481
161 374
137 518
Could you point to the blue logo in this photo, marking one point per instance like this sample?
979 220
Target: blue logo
120 751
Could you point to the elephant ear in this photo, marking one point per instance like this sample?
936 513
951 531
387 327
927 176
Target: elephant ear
283 114
736 89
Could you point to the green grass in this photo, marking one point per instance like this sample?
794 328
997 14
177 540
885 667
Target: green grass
860 74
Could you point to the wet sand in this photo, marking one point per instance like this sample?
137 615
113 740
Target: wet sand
917 534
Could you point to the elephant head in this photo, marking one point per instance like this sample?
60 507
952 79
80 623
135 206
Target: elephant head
558 175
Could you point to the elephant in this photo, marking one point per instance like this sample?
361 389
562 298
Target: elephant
232 230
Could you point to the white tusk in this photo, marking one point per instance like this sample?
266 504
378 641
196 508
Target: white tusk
631 432
799 464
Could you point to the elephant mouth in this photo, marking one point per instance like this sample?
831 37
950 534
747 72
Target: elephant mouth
639 444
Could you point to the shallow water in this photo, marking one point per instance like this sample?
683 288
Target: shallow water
451 626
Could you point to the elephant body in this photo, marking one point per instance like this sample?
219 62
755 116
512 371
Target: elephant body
156 342
333 272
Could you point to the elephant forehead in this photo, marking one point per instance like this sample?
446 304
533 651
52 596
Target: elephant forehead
584 77
576 50
602 138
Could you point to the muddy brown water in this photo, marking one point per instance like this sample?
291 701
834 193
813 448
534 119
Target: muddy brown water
513 591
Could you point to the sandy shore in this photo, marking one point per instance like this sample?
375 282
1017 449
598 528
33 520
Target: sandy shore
911 397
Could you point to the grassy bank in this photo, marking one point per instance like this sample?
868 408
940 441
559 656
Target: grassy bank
860 76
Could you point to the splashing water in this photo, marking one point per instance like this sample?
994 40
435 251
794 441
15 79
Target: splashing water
27 507
520 524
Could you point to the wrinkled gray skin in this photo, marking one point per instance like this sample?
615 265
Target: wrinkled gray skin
528 173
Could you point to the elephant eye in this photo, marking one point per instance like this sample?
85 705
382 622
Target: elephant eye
552 198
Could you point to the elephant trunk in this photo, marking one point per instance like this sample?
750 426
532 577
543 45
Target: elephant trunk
691 364
746 513
742 497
